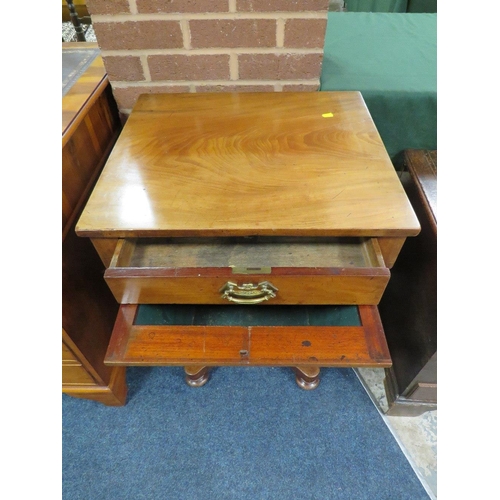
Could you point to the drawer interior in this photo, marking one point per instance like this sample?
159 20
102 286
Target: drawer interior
248 253
215 315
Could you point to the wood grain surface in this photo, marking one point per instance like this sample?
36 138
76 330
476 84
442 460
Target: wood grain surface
303 164
336 346
295 286
86 145
422 165
317 271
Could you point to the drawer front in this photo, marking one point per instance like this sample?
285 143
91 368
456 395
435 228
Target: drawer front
68 358
76 375
356 274
299 288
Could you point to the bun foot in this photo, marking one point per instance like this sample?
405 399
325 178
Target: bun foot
197 376
307 377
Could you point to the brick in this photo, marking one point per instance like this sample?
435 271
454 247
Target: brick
139 35
233 33
127 97
305 33
279 66
106 7
126 68
184 67
281 5
234 88
181 6
301 88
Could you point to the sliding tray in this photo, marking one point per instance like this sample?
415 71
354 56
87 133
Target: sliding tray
197 337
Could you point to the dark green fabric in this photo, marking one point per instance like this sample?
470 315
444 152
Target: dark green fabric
414 6
392 60
247 315
376 5
429 6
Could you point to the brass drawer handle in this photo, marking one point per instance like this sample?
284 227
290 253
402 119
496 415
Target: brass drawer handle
248 293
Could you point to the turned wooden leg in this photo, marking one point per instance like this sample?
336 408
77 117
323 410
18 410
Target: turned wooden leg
307 377
196 376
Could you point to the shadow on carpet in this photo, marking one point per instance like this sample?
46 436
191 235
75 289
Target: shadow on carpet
250 433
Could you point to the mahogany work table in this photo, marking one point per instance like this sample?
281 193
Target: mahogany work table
248 229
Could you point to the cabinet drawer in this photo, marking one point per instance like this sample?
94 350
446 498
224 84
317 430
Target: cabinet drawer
76 375
68 358
248 270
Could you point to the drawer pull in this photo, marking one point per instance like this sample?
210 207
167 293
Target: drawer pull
248 293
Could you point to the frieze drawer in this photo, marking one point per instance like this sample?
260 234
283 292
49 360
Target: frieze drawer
247 270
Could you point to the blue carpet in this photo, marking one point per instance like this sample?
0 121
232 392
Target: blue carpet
250 433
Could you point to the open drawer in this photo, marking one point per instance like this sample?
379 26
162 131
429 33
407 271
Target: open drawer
247 271
201 335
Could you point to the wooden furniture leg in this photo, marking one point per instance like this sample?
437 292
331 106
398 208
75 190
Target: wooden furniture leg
197 376
307 377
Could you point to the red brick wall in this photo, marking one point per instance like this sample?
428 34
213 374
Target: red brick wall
209 45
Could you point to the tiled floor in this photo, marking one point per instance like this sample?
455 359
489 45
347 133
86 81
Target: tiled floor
417 436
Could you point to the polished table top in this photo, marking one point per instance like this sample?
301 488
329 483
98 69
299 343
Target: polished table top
236 164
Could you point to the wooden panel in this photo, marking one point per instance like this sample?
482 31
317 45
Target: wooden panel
86 148
68 357
76 375
73 182
113 394
88 307
340 346
374 333
423 391
422 166
323 346
390 248
105 247
227 164
295 286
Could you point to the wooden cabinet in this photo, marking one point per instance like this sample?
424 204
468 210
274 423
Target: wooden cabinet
90 128
409 306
